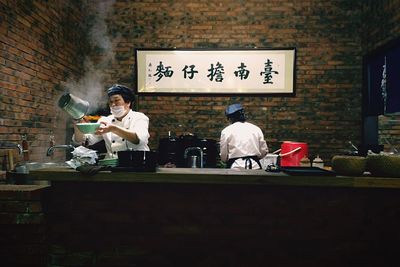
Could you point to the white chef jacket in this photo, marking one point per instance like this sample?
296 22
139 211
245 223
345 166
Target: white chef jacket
133 121
242 139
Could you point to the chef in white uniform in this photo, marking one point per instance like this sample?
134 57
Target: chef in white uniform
124 129
242 143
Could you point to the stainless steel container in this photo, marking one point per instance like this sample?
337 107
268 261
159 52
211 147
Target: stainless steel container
193 161
73 105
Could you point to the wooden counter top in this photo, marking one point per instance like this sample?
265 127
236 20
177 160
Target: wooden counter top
215 176
248 218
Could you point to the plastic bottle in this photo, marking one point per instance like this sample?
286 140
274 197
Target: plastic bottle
51 142
318 162
25 147
305 162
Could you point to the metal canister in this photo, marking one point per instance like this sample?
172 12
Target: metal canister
73 105
193 161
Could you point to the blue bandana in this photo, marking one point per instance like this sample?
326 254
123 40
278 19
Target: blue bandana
232 109
117 89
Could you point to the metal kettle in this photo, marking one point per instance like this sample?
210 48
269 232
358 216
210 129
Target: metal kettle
73 105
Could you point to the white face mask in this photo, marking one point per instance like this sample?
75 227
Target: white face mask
118 111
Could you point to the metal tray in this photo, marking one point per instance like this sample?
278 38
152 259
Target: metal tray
307 171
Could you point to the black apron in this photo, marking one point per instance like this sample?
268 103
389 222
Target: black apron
247 163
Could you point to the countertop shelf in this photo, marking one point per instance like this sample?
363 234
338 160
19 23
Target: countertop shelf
215 176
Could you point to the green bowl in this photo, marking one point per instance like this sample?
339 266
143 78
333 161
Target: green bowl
108 162
88 127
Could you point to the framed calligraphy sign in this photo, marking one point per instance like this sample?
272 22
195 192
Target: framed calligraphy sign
220 71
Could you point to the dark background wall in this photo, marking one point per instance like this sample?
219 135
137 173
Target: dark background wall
383 32
47 44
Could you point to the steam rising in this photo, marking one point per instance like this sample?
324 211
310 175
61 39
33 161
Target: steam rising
90 87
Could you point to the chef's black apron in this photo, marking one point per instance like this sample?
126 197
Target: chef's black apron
247 163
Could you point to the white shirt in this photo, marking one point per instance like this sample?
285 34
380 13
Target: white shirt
242 139
133 121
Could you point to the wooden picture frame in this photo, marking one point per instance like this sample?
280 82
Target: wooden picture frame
214 72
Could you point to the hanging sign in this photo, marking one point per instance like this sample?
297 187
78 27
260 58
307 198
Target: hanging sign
184 71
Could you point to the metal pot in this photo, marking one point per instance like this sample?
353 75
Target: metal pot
73 105
210 152
170 151
268 160
140 161
292 153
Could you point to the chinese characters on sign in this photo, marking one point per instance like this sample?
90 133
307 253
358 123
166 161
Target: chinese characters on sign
226 71
162 71
214 73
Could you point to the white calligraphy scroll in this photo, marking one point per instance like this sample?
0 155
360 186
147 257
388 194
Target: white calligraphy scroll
180 71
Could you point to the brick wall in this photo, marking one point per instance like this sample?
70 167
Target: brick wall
23 238
389 132
41 45
44 44
385 26
326 111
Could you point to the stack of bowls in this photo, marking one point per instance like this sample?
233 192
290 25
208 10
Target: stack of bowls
109 162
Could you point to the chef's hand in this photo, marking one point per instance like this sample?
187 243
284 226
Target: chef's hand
74 122
84 120
78 135
121 132
105 128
